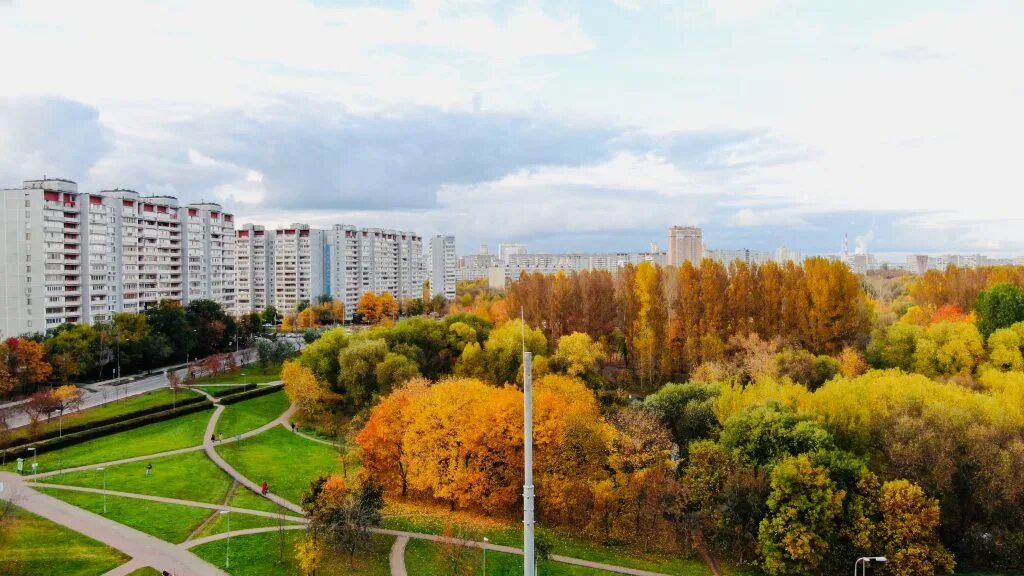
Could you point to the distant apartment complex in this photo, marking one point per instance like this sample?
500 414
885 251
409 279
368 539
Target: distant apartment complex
74 257
685 244
441 265
921 263
254 268
300 266
373 260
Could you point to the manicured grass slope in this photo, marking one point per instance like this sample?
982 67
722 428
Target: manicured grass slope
286 461
32 545
190 476
432 521
169 522
248 375
423 558
259 555
172 434
251 414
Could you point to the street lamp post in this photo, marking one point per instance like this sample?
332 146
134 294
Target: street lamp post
863 563
227 549
529 569
104 470
484 547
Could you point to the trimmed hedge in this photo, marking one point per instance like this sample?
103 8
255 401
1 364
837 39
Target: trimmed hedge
260 391
97 432
233 390
101 422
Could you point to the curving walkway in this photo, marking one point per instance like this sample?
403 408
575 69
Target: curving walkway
398 556
233 533
211 452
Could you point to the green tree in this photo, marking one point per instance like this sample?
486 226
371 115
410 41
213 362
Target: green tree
168 319
270 315
764 434
213 329
70 350
322 356
688 410
357 374
795 537
394 371
504 350
999 306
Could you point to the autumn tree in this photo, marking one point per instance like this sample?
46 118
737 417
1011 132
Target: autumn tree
341 518
687 410
578 355
65 398
370 308
908 531
794 537
388 306
24 364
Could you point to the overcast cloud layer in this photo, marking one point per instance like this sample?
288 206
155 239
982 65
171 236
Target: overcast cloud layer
567 125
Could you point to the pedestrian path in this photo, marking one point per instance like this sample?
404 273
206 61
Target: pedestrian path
234 533
397 559
211 452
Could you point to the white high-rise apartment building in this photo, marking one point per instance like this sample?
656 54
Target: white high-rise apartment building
147 250
373 260
442 263
300 267
209 252
41 278
254 268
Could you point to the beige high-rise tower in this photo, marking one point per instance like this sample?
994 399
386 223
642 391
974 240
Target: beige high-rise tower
684 245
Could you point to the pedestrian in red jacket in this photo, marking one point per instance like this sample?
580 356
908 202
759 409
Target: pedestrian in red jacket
264 487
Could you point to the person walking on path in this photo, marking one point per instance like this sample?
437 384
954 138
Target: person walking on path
264 487
149 469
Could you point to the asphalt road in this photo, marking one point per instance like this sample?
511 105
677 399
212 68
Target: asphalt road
100 393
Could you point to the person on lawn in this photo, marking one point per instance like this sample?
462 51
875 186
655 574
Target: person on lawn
149 469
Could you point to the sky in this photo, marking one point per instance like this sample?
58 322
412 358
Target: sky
579 125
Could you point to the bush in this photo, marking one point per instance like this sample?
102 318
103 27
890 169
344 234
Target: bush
72 429
100 431
260 391
228 391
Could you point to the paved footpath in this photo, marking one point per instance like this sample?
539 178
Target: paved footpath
398 556
211 452
144 549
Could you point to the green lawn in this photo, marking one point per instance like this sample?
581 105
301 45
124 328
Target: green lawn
249 375
260 554
181 432
423 558
240 522
244 498
286 461
32 545
565 544
162 397
147 571
190 476
251 414
169 522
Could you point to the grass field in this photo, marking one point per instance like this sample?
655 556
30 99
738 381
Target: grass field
433 520
147 571
162 397
190 476
252 374
32 545
243 498
423 558
251 414
169 522
286 461
181 432
240 522
259 555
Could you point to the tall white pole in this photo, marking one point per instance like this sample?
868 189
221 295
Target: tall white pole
528 554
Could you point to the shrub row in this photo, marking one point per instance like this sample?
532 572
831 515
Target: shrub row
261 391
73 428
97 432
228 391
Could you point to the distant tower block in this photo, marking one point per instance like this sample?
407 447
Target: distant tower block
685 244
